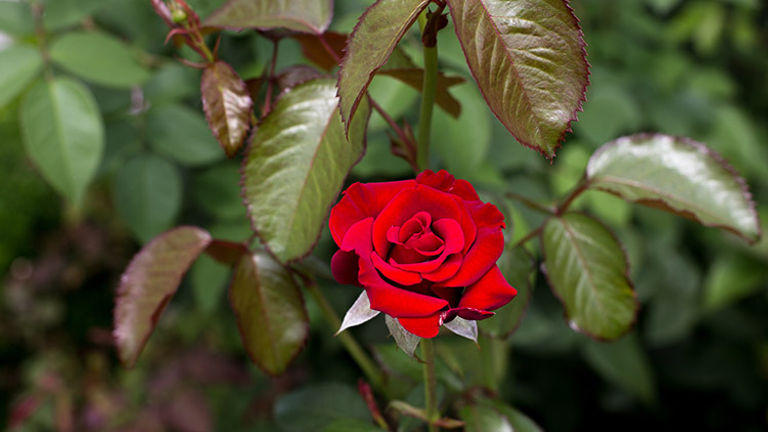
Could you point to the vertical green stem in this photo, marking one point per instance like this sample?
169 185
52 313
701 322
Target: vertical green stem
429 86
350 344
430 388
487 354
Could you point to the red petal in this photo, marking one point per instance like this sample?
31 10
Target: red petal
393 273
490 292
448 269
415 200
426 327
451 233
446 183
480 257
471 313
361 201
487 215
344 266
383 296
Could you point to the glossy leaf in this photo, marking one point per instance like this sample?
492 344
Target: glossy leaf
63 13
463 328
404 339
19 65
308 16
588 271
371 43
270 312
148 284
148 195
678 175
227 105
313 407
63 133
296 166
414 77
182 134
517 266
494 415
99 58
528 59
359 313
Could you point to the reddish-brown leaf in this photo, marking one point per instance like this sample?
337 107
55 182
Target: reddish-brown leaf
529 61
371 43
324 50
227 105
148 284
270 312
307 16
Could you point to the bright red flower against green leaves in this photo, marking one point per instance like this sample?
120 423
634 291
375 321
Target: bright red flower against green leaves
425 250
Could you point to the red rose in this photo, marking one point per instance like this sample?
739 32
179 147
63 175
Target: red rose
425 250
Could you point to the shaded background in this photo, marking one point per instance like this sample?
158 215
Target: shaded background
698 357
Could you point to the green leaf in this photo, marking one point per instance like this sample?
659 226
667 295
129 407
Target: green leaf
216 190
307 16
371 43
296 166
19 65
99 58
588 271
270 312
148 284
482 418
405 340
227 105
351 425
624 364
63 134
731 279
209 279
64 13
182 134
148 195
529 61
517 265
678 175
16 18
494 415
314 407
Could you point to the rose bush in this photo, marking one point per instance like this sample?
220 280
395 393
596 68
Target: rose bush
425 250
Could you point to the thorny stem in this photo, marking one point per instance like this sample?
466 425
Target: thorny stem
270 77
530 236
578 190
350 344
429 86
530 204
430 388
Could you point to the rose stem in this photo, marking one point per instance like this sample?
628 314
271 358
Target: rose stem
350 344
428 356
428 89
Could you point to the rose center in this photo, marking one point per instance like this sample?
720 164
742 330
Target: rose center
414 241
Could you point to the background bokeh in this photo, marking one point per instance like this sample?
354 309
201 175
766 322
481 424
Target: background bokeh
698 357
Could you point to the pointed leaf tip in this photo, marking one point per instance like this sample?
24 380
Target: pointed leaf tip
227 105
405 340
148 284
536 80
464 328
270 312
360 312
375 36
588 271
679 175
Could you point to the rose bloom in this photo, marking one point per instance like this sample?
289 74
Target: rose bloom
425 250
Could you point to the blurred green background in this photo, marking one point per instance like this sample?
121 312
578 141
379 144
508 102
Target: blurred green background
697 359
